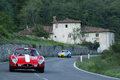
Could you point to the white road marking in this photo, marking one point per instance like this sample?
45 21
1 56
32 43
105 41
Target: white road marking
93 73
44 77
40 76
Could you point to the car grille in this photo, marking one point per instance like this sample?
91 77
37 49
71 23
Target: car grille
27 65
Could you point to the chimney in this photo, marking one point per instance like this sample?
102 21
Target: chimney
54 19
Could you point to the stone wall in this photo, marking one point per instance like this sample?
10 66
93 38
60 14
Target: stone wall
7 49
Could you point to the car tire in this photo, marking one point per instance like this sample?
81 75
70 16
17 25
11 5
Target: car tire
68 56
41 70
11 69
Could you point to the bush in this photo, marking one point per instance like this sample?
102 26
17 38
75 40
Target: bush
116 47
39 31
90 45
7 22
105 54
107 64
4 33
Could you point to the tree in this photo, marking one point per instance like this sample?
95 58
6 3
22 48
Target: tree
30 13
90 45
7 22
39 31
6 8
75 34
4 32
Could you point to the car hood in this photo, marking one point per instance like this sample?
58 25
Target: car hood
27 59
62 53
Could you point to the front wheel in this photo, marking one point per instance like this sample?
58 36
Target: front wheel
11 69
41 70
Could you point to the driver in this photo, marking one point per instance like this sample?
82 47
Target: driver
32 52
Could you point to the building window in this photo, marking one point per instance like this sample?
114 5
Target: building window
97 34
55 36
66 26
83 35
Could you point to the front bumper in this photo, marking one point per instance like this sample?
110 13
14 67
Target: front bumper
62 55
27 66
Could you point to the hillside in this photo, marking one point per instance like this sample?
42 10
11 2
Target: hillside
33 40
16 15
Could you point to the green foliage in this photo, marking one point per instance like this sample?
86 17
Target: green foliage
75 34
112 54
98 13
32 40
7 22
29 13
39 31
105 54
99 65
7 8
107 64
4 32
96 45
116 47
90 45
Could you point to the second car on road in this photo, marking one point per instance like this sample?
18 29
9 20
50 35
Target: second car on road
64 53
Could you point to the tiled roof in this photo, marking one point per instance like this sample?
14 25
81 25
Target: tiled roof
67 21
25 32
49 29
94 29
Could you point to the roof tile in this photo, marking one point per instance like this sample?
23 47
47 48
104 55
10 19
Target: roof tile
94 29
67 21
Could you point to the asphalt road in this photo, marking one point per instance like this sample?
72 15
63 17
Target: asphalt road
55 69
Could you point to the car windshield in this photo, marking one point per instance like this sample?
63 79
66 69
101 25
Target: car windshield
26 51
64 51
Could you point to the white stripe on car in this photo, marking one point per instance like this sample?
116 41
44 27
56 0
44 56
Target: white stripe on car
27 58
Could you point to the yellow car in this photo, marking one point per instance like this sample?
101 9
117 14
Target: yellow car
64 53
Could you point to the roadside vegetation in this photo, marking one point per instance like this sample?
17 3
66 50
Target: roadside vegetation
31 39
107 64
16 15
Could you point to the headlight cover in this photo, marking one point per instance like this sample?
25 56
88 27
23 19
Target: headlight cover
40 61
14 60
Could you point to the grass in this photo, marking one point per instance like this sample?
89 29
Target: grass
45 42
22 39
100 66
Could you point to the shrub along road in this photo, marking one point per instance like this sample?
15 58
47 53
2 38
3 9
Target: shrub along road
55 69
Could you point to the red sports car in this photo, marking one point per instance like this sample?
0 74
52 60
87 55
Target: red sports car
26 58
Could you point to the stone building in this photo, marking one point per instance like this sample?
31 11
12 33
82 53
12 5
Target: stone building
63 28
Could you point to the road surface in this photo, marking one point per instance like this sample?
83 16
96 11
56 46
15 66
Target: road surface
55 69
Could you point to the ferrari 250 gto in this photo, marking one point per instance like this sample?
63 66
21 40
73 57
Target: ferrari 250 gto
26 58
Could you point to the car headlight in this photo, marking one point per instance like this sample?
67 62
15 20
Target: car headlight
40 61
14 60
